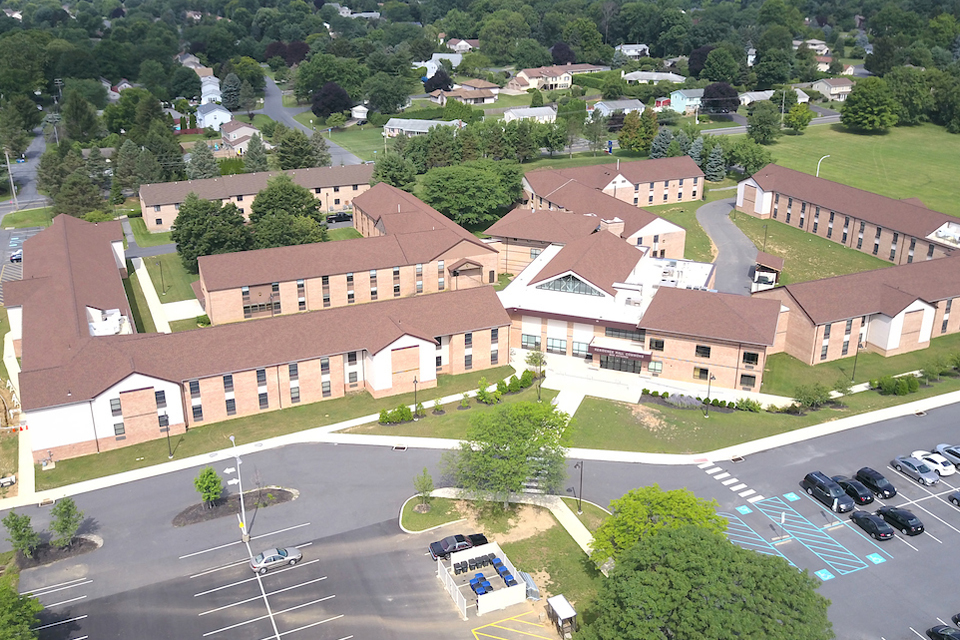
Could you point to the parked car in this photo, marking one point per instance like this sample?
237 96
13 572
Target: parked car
902 520
913 468
949 451
872 524
451 544
271 558
17 256
818 485
854 489
935 461
954 498
874 480
956 619
339 217
943 632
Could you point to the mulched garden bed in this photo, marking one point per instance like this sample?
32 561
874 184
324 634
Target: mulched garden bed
47 553
649 399
230 506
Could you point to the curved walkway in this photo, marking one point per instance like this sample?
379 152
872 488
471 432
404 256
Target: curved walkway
736 254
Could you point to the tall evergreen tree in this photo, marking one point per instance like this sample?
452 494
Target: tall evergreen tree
13 133
78 196
165 148
247 99
230 92
148 169
96 166
125 167
683 141
716 169
80 120
116 193
202 163
321 154
256 157
661 142
630 133
294 151
696 151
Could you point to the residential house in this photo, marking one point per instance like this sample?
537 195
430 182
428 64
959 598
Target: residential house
123 85
633 51
334 187
466 96
474 84
749 97
686 101
412 127
433 64
462 46
650 77
235 136
112 94
213 116
537 114
823 63
210 90
751 56
834 89
549 78
359 113
607 108
901 231
819 47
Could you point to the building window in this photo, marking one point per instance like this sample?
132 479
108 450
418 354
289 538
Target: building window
468 361
816 219
118 429
748 380
579 350
439 362
325 281
301 304
373 293
264 402
751 358
227 383
826 331
294 371
352 357
396 272
396 291
556 345
316 190
701 374
419 269
823 351
336 201
655 367
336 189
356 187
929 251
349 279
494 357
115 408
650 199
326 299
294 394
352 378
156 208
275 287
161 397
350 297
656 344
198 412
529 342
570 284
231 407
324 366
468 340
703 351
159 222
261 376
665 196
194 388
621 364
325 389
419 286
164 420
612 332
535 252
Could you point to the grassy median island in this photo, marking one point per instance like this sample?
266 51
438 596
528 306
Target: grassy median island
138 302
212 437
40 217
442 511
174 284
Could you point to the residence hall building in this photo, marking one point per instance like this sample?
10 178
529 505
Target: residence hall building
602 303
89 384
387 211
900 231
425 252
334 187
887 311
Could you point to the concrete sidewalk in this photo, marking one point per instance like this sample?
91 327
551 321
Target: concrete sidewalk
150 293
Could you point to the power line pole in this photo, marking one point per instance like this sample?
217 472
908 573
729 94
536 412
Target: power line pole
13 187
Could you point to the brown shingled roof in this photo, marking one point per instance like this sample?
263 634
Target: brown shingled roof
889 213
579 198
600 259
544 225
599 176
716 316
250 183
769 261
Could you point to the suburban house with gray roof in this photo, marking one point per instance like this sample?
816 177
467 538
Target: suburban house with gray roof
900 231
413 127
334 187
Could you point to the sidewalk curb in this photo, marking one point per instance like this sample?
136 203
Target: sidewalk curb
412 532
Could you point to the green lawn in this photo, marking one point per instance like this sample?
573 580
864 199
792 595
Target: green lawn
784 372
442 511
289 100
138 303
259 119
605 424
805 256
592 516
454 422
42 217
902 163
345 233
211 437
145 238
4 328
697 246
175 280
361 142
9 453
184 325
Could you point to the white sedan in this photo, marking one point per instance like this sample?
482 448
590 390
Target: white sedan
937 462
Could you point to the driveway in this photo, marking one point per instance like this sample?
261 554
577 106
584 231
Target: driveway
736 256
25 177
273 107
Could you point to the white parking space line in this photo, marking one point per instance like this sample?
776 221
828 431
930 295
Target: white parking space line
220 568
313 624
721 476
57 604
934 495
904 541
258 619
56 587
705 465
941 621
917 632
56 624
729 482
755 498
230 544
748 492
714 470
933 536
272 593
234 584
738 487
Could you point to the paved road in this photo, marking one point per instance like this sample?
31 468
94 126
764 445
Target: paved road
820 119
273 107
25 176
736 254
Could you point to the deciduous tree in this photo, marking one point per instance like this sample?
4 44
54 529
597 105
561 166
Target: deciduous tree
205 228
473 192
247 100
395 170
20 532
386 93
763 124
799 117
209 485
19 614
284 230
870 106
720 66
331 98
66 521
911 93
720 97
283 196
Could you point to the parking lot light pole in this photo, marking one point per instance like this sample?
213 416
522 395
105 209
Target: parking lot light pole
163 286
855 358
709 382
239 481
416 415
579 465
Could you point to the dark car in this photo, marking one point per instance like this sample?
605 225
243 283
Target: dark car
451 544
854 489
826 491
954 498
875 481
902 520
339 217
872 524
956 619
943 632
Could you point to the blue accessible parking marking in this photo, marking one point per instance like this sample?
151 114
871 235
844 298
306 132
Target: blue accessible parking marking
744 510
823 574
742 535
792 497
837 557
876 558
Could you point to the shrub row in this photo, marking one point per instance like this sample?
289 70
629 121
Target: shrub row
889 386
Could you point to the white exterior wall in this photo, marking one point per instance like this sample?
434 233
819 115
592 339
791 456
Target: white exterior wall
582 332
887 332
530 325
104 418
15 315
557 329
380 368
926 324
118 254
657 227
57 426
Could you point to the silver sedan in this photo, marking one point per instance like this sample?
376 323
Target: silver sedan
949 451
916 469
271 558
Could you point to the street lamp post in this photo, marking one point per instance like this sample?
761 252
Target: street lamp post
416 414
709 382
855 358
239 481
169 448
579 465
818 164
163 286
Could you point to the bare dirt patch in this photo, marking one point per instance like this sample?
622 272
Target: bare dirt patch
525 521
230 506
648 417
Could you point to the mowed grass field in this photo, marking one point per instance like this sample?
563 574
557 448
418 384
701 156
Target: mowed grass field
906 162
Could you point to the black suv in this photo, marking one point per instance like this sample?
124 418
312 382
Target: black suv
339 217
875 481
827 491
854 489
